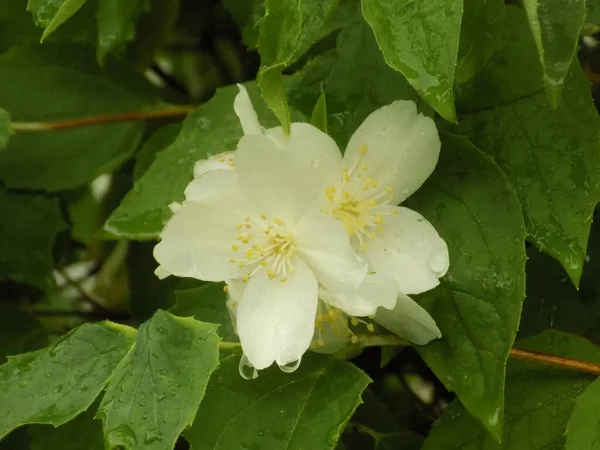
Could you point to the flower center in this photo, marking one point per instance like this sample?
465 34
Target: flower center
358 202
273 248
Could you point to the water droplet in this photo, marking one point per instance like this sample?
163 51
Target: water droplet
153 436
123 435
261 433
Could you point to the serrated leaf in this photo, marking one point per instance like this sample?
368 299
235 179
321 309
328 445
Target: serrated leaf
420 40
5 128
481 23
206 302
306 409
50 14
583 429
555 25
155 392
287 30
116 24
212 128
81 433
28 227
356 81
19 331
478 305
539 401
31 81
55 384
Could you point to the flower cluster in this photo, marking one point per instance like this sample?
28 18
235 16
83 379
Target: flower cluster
309 241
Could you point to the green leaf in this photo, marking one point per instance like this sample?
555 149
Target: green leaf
155 392
420 39
19 331
157 142
55 384
583 430
28 227
593 11
478 304
555 26
286 31
212 128
50 14
356 81
481 22
206 302
5 128
116 24
31 81
550 156
539 401
247 14
306 409
319 114
81 433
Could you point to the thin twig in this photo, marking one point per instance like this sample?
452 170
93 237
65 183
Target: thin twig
556 361
102 119
85 295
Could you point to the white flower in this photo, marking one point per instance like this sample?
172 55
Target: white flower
260 226
387 159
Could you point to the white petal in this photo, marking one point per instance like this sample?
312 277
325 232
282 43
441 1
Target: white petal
376 291
242 106
214 187
410 251
279 183
162 273
222 161
402 148
320 151
332 333
197 242
409 321
275 320
322 242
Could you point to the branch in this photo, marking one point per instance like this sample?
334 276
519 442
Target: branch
102 119
556 361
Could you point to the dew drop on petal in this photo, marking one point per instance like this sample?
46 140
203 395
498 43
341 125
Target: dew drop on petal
247 371
438 261
291 367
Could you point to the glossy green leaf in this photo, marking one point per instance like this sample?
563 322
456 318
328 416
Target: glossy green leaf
306 409
420 39
19 331
28 228
478 304
247 14
481 23
583 429
212 128
31 81
206 302
319 114
555 25
155 392
81 433
539 401
286 31
50 14
55 384
593 11
356 81
116 24
157 142
5 128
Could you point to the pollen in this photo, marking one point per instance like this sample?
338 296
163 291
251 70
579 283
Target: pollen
235 247
225 288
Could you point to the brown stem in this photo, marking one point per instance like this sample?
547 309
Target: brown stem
556 361
593 77
102 119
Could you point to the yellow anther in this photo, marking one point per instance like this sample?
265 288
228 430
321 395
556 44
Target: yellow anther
225 288
234 247
363 168
271 274
395 212
263 263
320 342
232 260
370 327
372 235
374 184
354 322
354 340
247 219
234 303
283 279
230 162
249 253
372 202
263 217
389 189
363 247
363 148
248 225
379 219
362 223
241 265
346 195
239 226
346 177
245 278
278 222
